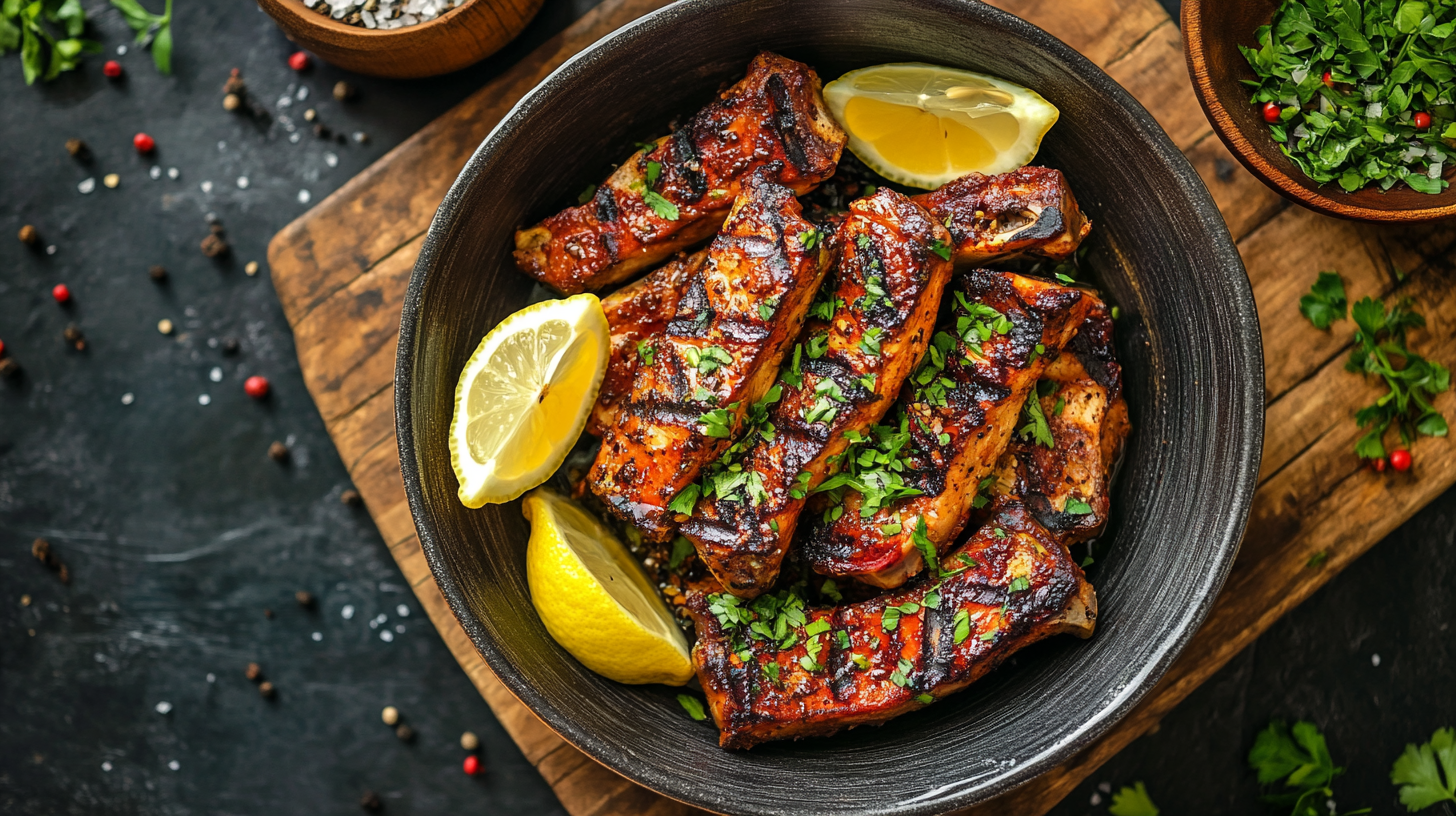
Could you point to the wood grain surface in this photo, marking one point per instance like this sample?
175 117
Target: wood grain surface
341 271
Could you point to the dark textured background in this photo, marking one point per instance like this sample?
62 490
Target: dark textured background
179 531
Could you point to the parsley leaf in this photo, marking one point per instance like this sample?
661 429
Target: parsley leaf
1036 428
152 30
1077 507
941 248
1133 801
869 342
962 626
691 705
1380 350
1300 759
718 423
1325 302
685 501
586 195
926 547
646 352
681 549
666 210
1415 771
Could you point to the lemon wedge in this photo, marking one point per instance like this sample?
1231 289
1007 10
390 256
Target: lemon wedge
595 599
924 125
524 396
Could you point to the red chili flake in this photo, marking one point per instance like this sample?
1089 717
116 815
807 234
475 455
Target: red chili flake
1422 121
112 69
256 386
61 292
299 61
1378 464
143 143
1271 112
472 765
1400 460
1329 80
2 354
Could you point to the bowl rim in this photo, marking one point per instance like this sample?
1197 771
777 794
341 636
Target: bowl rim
306 16
1226 533
1239 144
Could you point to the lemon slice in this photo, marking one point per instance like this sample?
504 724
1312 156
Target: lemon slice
924 125
524 397
595 599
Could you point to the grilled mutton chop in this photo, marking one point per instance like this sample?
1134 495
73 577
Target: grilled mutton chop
674 195
718 356
1066 485
774 669
1029 211
916 492
867 331
636 313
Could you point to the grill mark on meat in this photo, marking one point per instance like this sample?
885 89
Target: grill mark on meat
1030 211
786 123
606 205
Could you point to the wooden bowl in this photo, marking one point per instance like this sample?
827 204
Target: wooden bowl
1213 30
462 36
1188 338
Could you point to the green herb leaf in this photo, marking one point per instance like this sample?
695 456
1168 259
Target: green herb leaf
1133 801
646 352
684 502
921 538
1325 302
1077 507
691 705
1036 427
1417 774
586 195
941 248
666 210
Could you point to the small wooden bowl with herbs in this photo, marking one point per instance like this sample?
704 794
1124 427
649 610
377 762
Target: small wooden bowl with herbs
1346 110
390 38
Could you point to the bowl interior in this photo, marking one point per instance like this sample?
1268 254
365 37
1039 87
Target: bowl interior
1188 338
1214 30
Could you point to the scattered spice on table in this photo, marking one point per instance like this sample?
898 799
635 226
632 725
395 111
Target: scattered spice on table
111 180
9 369
266 688
61 293
471 766
78 149
305 599
469 741
268 613
158 273
165 326
230 346
74 337
351 498
143 143
1360 93
390 715
111 69
278 452
256 386
254 672
40 550
370 802
405 733
214 245
29 235
251 268
343 91
1381 351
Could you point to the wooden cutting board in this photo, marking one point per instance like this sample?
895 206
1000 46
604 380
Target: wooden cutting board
341 271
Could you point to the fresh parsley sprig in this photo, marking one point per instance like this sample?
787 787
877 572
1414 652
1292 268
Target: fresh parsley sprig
152 30
1362 90
1300 759
23 27
1133 801
1416 772
1380 351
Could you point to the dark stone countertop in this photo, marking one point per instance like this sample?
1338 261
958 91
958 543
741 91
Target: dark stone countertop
178 531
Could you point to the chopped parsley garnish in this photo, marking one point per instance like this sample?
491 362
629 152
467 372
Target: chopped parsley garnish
646 352
685 501
771 671
830 590
867 382
1077 507
1380 350
988 635
890 620
862 241
925 699
681 549
1060 405
869 342
962 626
1036 427
666 210
818 627
941 248
979 321
901 675
691 705
809 238
825 309
859 660
874 468
874 287
718 423
586 195
926 547
706 360
1300 759
1064 278
701 394
765 311
801 485
893 528
1019 584
817 345
843 638
1325 302
1383 115
791 374
932 598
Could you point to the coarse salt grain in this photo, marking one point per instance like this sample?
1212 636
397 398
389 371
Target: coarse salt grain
51 250
331 160
347 611
128 398
242 182
221 146
294 137
1375 660
399 627
174 765
386 636
302 93
206 186
173 173
86 186
164 707
402 611
155 172
204 399
215 374
317 636
106 766
304 196
211 678
121 50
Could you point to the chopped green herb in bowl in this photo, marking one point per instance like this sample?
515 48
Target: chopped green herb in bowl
1360 93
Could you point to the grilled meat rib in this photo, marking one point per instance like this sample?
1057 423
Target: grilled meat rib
676 194
636 313
1067 485
958 412
718 356
1029 211
862 342
773 669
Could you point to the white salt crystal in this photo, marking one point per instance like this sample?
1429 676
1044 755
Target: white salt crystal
164 707
293 137
173 173
206 186
304 196
86 186
317 636
174 765
215 374
402 611
331 160
155 172
302 93
203 399
368 19
106 766
242 182
347 611
128 398
120 52
386 636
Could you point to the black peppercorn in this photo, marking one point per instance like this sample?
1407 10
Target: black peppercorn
254 672
351 498
304 598
278 452
74 336
158 273
8 367
230 346
405 733
213 246
266 689
370 802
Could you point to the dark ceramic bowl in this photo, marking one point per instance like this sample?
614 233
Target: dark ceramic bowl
1213 30
1189 339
